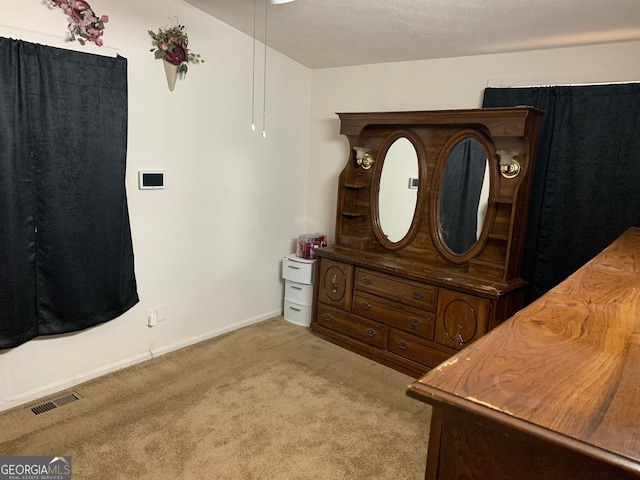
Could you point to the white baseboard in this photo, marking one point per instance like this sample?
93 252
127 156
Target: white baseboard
65 384
44 391
215 333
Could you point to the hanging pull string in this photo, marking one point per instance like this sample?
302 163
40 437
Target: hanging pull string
253 73
264 75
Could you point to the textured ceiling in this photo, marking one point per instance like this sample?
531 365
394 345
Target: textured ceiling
335 33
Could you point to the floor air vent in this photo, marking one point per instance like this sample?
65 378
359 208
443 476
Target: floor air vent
55 403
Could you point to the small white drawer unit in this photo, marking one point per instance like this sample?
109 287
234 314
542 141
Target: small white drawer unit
298 274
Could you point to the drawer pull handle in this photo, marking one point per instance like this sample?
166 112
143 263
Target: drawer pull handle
296 288
295 309
295 268
367 281
417 294
403 345
371 332
365 306
328 317
458 340
416 322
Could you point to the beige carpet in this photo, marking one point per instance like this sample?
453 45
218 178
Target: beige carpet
270 401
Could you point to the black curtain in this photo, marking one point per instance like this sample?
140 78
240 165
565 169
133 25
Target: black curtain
66 255
460 195
585 185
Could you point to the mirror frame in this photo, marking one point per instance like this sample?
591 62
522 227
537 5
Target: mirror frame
375 188
436 182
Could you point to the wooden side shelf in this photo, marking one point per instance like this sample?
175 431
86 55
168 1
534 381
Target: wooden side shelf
355 214
499 236
486 263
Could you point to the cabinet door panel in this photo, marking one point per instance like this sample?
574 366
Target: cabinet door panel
461 318
335 284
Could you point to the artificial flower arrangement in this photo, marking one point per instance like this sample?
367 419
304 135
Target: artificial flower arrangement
171 44
84 24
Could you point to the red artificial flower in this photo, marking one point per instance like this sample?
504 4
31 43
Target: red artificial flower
177 55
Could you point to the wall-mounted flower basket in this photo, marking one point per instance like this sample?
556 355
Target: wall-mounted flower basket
170 44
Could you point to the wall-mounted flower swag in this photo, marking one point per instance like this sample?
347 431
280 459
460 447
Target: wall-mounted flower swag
171 44
84 24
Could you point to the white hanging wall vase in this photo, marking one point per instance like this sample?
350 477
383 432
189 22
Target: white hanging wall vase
171 72
171 42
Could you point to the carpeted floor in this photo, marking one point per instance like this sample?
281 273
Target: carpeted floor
270 401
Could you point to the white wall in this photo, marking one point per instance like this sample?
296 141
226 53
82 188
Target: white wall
210 245
436 84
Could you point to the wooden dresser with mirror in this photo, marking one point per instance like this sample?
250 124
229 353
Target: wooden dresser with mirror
430 225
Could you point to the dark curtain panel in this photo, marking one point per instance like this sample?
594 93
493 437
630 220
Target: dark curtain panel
460 195
64 215
585 185
17 237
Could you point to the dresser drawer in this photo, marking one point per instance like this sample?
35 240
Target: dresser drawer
413 348
394 314
298 269
298 314
300 293
417 294
362 329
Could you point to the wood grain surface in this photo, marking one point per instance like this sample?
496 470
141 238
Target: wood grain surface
569 362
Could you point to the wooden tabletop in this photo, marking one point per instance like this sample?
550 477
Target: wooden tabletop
567 367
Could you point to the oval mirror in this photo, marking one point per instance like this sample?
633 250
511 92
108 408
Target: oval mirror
397 196
464 196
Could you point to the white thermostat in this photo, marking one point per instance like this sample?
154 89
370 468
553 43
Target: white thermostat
150 179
